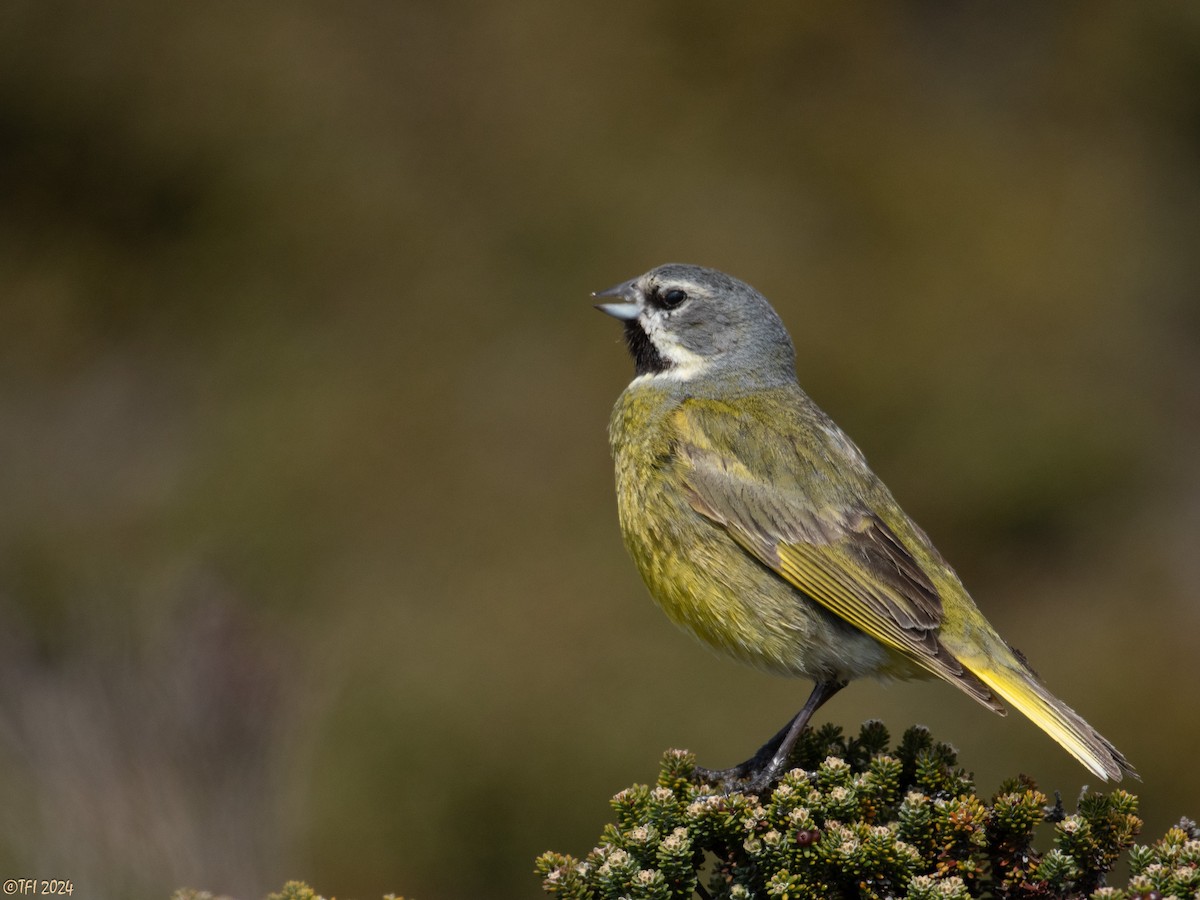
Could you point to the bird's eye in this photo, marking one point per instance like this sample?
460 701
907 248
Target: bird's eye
672 299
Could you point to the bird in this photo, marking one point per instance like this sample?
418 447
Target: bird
758 526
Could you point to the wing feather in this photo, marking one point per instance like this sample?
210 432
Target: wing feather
838 552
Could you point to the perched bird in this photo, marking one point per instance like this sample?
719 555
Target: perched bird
757 525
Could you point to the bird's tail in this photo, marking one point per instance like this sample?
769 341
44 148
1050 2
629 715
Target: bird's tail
1021 688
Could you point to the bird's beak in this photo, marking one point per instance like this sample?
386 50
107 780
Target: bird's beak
628 308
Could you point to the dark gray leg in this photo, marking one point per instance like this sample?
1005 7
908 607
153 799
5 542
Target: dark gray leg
765 766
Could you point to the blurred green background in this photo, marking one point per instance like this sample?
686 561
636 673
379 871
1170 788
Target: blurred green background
309 564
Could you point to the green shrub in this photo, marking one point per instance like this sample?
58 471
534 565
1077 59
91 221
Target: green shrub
858 819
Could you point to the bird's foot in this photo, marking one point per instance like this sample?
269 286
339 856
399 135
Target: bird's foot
766 766
750 777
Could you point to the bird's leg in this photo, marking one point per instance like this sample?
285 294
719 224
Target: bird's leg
741 771
821 692
756 773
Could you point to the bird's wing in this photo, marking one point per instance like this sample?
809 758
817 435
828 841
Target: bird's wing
827 542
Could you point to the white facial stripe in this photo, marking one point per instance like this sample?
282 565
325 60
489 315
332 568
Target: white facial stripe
692 287
684 363
672 350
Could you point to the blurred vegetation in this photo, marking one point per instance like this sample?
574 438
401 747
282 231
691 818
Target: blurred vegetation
309 564
293 890
857 818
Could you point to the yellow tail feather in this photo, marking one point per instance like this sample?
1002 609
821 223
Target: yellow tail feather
1021 688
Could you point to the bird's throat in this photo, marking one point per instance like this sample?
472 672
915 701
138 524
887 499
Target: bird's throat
647 360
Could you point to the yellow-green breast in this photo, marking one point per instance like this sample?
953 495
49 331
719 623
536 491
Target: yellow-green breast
703 580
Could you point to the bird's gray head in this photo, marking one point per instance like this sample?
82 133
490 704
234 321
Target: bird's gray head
684 321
